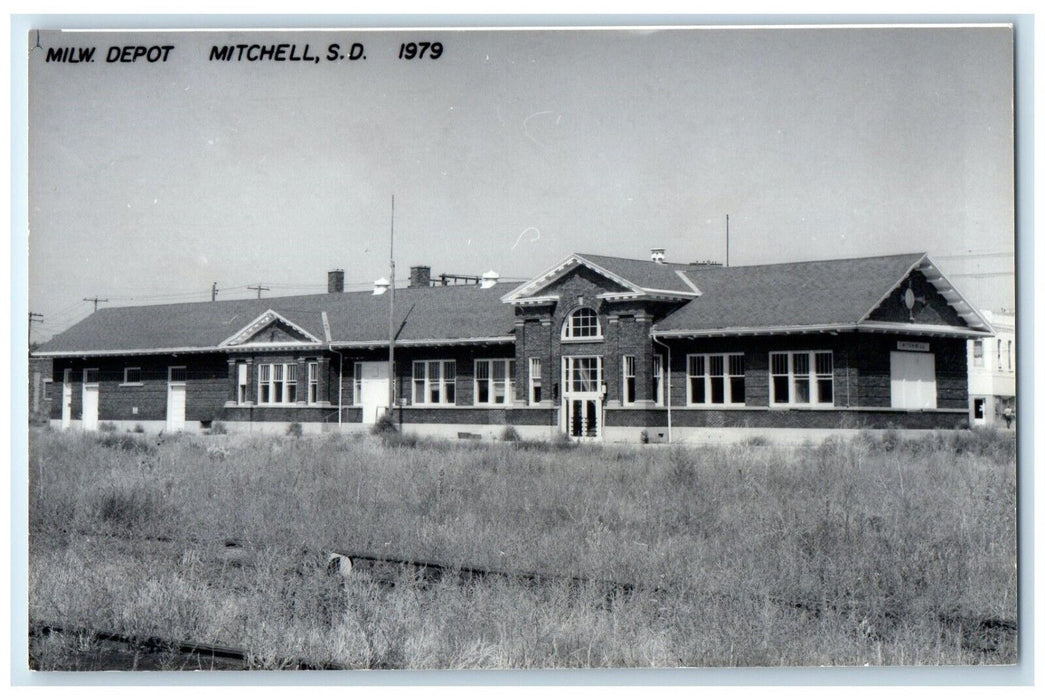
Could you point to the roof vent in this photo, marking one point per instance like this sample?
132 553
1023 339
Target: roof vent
381 286
335 281
489 279
657 255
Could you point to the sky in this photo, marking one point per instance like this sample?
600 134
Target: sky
148 182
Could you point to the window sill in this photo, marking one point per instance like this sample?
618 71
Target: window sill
714 406
132 384
591 339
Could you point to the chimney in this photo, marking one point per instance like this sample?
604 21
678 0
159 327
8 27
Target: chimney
657 255
420 276
336 281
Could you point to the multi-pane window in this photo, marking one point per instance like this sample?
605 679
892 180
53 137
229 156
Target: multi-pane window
357 384
241 382
582 374
715 379
582 324
278 383
801 378
434 382
535 380
977 353
132 375
176 375
91 376
628 383
998 356
494 381
313 382
658 380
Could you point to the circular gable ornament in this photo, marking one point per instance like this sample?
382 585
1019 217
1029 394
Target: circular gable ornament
908 299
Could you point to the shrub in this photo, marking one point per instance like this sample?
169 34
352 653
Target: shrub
138 428
218 428
128 443
107 427
510 434
384 425
294 430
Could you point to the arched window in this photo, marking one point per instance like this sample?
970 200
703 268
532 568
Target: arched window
582 324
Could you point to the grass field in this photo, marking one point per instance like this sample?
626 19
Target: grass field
875 550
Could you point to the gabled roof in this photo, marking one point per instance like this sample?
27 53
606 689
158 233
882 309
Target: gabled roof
822 294
429 315
640 278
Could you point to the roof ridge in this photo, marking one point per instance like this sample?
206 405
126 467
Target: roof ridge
824 260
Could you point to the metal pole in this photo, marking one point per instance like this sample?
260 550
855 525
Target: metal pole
391 312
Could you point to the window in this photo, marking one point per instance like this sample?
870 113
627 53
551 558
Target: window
91 376
435 382
977 353
715 379
582 374
801 378
176 375
535 380
998 363
1010 355
313 382
494 381
241 382
582 324
658 380
132 375
278 383
628 385
357 384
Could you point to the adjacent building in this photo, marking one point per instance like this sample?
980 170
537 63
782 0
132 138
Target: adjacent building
992 373
595 347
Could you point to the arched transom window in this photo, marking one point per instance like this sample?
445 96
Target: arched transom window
582 324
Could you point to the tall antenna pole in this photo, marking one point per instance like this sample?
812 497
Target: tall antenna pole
391 312
727 240
214 291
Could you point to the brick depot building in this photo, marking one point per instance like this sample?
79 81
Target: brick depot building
595 347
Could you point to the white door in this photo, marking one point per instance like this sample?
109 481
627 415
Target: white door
175 399
580 413
374 390
67 398
913 380
90 400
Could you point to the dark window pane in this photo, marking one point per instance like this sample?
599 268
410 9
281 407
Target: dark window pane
736 389
780 390
718 389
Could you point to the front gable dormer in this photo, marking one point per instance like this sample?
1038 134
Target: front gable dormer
270 329
608 283
925 297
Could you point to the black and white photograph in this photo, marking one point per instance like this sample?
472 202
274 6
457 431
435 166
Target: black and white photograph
522 348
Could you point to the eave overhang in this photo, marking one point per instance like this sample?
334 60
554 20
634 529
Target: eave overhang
920 329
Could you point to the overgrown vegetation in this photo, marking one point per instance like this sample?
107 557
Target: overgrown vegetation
875 550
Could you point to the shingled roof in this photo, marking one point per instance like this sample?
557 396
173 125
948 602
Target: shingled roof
783 296
430 315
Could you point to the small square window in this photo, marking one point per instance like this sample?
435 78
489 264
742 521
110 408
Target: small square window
132 375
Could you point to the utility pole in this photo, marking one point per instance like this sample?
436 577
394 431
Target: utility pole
259 288
38 318
391 312
214 291
95 300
